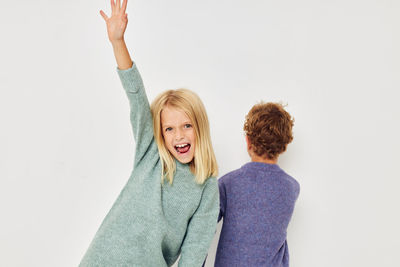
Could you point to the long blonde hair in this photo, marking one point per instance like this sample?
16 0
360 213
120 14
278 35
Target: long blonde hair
204 163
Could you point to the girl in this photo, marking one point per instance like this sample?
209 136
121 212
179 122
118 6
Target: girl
170 203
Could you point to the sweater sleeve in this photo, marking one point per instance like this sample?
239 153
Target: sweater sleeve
201 227
140 114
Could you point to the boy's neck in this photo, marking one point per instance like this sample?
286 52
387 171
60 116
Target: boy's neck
255 158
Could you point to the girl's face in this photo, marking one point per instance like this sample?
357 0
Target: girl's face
179 135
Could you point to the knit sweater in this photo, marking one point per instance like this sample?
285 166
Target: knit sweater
151 223
256 203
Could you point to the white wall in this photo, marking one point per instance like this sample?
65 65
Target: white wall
66 147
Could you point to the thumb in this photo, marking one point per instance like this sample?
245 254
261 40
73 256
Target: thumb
103 15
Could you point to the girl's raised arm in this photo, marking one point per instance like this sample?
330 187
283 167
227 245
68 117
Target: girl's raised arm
140 114
116 25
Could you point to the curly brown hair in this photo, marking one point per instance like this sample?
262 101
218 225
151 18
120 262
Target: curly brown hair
268 127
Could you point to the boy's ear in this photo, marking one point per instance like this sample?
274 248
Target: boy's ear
248 143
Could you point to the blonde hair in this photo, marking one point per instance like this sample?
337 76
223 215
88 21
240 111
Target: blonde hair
204 163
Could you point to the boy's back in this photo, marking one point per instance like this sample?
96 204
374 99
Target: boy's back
257 202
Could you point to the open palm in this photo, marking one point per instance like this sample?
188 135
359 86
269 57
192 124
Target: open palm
116 24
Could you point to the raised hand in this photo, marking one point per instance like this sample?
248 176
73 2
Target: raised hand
116 24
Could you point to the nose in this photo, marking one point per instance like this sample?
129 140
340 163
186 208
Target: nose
179 134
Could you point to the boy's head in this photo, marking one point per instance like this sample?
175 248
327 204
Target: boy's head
268 129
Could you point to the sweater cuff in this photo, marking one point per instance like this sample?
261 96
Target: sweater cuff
130 79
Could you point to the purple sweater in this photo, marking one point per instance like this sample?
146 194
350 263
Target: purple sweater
256 202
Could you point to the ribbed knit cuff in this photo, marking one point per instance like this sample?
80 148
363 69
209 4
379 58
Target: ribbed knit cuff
130 79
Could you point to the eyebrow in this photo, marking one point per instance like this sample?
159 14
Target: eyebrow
169 125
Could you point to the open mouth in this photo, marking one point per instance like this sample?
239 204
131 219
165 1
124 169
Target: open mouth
182 148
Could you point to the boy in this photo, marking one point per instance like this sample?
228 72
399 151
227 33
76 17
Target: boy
257 200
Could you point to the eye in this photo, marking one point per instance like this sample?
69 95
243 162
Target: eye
188 125
168 129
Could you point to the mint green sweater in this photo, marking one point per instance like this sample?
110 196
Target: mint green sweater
151 223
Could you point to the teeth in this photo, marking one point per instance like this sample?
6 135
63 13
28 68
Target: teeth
183 145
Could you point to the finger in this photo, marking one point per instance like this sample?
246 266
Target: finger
103 15
118 5
112 7
124 4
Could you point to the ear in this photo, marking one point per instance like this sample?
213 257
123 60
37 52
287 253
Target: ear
248 143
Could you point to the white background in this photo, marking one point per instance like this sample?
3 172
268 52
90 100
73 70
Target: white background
66 147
